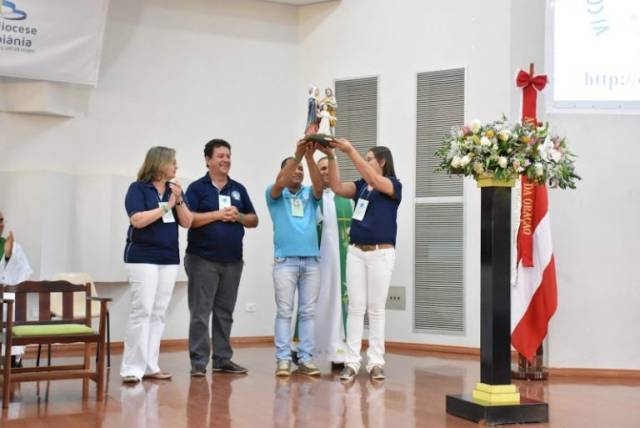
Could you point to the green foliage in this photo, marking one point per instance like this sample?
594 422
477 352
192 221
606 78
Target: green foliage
507 151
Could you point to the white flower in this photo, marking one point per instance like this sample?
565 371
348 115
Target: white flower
538 169
455 162
517 166
502 161
465 161
556 155
504 135
475 126
484 141
478 167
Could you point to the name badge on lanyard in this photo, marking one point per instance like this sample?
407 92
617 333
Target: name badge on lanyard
297 208
224 201
168 216
361 209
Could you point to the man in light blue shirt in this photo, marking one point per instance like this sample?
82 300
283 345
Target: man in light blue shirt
293 208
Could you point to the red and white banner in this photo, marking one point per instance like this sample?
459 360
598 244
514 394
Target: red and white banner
534 298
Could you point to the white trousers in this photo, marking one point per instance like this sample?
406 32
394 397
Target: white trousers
151 289
368 280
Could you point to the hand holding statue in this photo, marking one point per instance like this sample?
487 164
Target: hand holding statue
326 150
342 144
311 149
301 148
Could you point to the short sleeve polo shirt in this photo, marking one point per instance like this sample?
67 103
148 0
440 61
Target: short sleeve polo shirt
217 241
156 243
379 225
294 236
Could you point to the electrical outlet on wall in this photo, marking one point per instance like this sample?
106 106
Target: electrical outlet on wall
396 298
250 307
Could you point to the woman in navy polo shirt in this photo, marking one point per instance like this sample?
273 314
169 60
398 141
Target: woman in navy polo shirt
371 253
155 207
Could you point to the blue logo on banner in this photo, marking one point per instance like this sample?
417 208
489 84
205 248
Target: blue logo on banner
8 10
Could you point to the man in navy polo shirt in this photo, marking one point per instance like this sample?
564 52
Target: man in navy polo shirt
221 210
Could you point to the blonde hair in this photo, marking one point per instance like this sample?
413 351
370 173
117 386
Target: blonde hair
156 158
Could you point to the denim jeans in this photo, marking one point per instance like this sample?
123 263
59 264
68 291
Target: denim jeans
291 274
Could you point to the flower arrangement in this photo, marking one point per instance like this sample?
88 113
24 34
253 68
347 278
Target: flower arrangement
505 151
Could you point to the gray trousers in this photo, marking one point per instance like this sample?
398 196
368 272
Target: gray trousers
212 292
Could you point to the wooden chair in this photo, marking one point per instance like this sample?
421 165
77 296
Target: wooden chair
78 308
44 331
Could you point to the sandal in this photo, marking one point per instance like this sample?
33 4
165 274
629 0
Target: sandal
158 376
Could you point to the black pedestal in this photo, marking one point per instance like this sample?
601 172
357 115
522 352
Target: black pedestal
528 411
495 318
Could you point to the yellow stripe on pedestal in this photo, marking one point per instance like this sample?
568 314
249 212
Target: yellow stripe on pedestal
496 394
496 389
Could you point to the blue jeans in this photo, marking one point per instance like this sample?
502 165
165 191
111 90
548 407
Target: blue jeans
291 274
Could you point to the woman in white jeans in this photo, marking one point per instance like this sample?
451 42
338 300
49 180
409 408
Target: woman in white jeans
155 207
371 253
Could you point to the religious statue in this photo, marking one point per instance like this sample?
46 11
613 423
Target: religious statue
329 101
313 110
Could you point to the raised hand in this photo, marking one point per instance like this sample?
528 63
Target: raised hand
172 199
311 148
327 150
176 188
301 148
342 144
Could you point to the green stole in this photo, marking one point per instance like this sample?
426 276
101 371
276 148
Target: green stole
344 212
2 241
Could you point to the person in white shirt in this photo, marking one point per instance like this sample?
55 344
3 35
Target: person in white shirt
14 268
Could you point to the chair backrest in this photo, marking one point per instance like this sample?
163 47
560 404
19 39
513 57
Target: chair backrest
44 289
79 303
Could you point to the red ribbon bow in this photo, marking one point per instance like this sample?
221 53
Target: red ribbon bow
529 85
524 80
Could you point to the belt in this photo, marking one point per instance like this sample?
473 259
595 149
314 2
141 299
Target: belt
372 247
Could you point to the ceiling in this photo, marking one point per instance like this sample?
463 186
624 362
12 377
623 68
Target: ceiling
298 2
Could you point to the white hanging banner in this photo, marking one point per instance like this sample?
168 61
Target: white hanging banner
57 40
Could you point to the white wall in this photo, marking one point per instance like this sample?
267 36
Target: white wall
174 74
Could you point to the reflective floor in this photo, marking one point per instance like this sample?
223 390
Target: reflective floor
413 395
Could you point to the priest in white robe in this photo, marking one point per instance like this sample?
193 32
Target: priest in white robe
14 268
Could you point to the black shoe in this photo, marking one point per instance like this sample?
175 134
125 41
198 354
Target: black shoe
347 374
198 373
228 367
15 362
337 366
